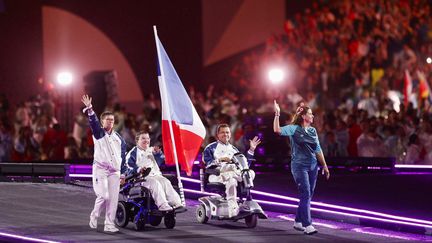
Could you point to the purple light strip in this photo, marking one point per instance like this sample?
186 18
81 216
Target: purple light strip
80 167
397 218
80 176
364 231
197 162
326 211
199 192
26 238
378 168
356 210
331 226
413 173
349 214
414 166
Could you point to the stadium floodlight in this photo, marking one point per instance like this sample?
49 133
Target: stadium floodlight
64 78
276 75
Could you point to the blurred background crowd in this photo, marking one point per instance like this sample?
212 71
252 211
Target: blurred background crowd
362 67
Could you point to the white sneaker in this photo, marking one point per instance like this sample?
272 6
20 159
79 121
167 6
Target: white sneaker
111 229
310 230
93 222
298 226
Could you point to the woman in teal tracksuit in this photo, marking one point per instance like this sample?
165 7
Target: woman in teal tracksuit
305 153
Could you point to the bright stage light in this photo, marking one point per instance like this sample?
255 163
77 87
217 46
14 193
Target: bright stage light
276 75
429 60
64 78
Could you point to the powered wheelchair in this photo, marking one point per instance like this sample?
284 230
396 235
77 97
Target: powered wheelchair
136 204
216 207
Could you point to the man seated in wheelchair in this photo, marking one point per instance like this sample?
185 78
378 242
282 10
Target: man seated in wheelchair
143 157
220 154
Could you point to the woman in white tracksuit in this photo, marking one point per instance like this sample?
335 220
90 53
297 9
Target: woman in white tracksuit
142 157
109 158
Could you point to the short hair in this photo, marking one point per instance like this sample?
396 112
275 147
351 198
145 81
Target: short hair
139 134
106 113
220 126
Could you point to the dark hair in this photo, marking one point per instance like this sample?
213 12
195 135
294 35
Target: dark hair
139 134
297 118
222 125
106 113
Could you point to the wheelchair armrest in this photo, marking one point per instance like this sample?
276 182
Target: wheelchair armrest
131 177
213 170
169 176
138 175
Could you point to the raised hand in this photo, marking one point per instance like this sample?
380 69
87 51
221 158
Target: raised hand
156 149
276 107
86 100
254 143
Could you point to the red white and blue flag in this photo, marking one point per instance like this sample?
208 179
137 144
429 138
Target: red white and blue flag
187 131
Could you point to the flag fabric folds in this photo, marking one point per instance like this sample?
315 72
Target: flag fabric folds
184 139
424 89
407 88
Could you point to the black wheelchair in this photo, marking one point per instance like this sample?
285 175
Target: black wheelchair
136 204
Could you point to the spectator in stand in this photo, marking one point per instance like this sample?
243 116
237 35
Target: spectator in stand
22 117
354 132
369 104
342 137
330 146
5 142
27 145
79 129
413 154
369 144
71 151
54 143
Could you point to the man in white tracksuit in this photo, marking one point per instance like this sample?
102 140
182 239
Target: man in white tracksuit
109 158
220 153
142 157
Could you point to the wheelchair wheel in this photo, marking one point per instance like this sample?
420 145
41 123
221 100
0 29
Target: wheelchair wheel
251 221
155 220
170 220
122 215
139 225
201 215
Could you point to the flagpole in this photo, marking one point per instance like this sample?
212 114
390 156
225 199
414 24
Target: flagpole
180 184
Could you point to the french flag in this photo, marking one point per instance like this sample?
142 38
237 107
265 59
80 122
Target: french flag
181 125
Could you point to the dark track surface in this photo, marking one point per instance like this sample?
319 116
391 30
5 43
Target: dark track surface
60 212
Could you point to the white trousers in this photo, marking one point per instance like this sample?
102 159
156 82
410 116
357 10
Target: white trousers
230 176
106 185
162 191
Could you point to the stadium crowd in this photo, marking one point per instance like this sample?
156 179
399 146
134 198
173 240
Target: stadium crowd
350 61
